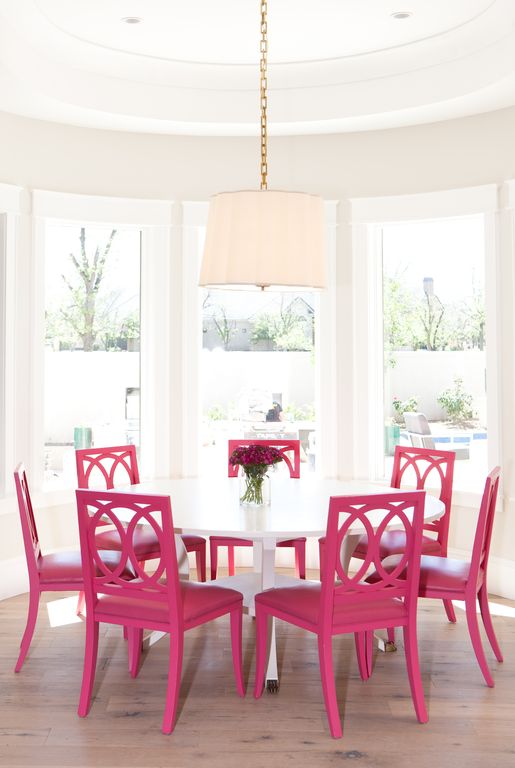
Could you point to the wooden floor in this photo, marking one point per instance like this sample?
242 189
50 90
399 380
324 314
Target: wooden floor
470 725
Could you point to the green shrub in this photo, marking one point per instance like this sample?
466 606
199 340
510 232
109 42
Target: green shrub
404 406
215 413
456 403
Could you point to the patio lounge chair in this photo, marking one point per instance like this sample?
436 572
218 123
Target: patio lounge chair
420 435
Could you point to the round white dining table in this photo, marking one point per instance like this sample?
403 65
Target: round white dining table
298 507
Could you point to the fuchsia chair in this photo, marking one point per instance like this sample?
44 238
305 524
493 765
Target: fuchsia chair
58 572
447 579
108 467
299 544
417 467
157 601
342 603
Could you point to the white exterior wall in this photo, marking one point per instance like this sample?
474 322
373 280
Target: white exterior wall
225 375
97 396
426 374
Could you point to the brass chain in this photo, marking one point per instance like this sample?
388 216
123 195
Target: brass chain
262 88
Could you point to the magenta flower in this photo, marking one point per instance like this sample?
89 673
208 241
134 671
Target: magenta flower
255 460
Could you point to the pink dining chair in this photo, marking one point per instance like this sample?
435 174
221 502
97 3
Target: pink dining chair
445 578
157 601
57 572
343 603
417 467
109 467
285 447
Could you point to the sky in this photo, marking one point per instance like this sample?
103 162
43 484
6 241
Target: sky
451 251
122 267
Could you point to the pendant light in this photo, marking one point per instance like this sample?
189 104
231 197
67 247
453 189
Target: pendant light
264 238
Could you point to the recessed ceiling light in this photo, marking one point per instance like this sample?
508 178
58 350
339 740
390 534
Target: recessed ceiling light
131 20
401 14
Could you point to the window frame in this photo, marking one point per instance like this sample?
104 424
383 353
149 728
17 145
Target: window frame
155 221
369 215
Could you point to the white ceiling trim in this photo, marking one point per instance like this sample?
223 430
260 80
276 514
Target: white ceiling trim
47 72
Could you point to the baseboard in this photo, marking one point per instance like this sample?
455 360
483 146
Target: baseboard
501 573
14 579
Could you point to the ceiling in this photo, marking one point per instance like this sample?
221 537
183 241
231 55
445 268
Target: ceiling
192 66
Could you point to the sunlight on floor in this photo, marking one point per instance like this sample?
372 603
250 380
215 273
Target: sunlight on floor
496 609
63 611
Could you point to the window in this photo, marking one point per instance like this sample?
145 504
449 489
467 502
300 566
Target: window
257 371
92 334
433 283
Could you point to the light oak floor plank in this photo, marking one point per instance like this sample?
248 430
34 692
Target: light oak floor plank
470 725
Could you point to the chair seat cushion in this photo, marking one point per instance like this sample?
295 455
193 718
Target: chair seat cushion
229 541
443 574
394 542
437 574
232 541
198 600
62 567
292 542
145 541
193 541
303 603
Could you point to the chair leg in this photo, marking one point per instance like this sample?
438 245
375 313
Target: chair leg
81 601
487 621
414 676
213 557
237 659
475 637
230 559
449 610
174 680
200 560
300 559
325 655
369 650
390 632
90 663
321 548
262 620
29 628
359 640
134 645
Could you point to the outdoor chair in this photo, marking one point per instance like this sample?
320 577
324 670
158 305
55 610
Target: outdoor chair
420 435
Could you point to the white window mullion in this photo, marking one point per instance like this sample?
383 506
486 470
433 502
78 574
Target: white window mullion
155 360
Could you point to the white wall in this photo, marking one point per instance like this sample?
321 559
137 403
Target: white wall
446 155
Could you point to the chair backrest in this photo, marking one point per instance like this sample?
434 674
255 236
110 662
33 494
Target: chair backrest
28 523
423 468
372 514
417 424
107 467
483 535
284 447
125 511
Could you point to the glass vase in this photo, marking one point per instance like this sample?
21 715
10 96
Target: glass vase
254 489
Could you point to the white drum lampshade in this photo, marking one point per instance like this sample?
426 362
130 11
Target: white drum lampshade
264 238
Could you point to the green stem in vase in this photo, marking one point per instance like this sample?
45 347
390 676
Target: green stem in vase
254 486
